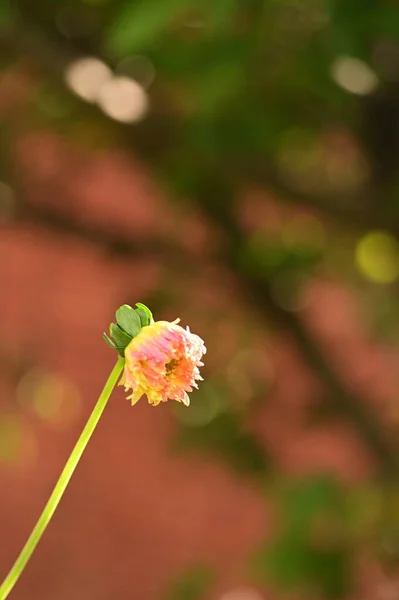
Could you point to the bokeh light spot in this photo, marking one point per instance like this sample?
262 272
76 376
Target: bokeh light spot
354 75
123 99
53 399
86 77
377 257
205 405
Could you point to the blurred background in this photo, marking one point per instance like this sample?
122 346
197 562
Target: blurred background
233 163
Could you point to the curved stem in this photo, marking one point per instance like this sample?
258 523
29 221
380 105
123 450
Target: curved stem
60 487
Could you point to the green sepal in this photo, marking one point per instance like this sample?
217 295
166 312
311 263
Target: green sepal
109 342
128 320
120 338
145 314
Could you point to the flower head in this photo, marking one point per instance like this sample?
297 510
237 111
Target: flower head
162 362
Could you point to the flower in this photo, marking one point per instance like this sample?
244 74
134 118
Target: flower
162 362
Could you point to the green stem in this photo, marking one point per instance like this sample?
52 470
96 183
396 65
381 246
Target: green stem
60 487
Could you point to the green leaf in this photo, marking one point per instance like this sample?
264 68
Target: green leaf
128 320
120 338
139 23
109 342
145 314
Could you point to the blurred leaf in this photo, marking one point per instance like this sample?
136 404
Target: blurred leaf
218 79
5 12
386 21
193 584
265 254
289 563
284 562
139 23
350 21
332 570
221 14
309 547
304 500
54 104
225 437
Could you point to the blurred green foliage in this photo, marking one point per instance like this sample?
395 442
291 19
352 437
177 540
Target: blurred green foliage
192 584
310 549
226 438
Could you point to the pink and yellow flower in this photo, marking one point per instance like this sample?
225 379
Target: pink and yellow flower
162 362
